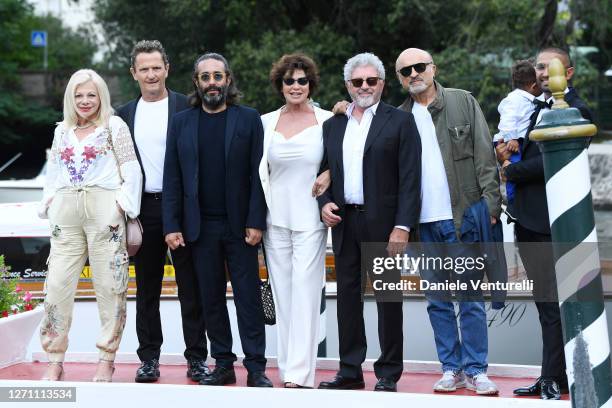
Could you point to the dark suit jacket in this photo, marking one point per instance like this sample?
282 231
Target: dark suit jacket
246 205
391 172
530 206
176 102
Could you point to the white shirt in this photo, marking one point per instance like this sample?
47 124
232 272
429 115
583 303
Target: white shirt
515 111
549 100
288 170
435 195
96 161
293 166
150 128
353 145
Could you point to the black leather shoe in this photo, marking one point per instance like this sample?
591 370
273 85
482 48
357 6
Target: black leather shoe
258 379
148 371
537 388
530 390
385 384
550 390
197 369
342 383
220 376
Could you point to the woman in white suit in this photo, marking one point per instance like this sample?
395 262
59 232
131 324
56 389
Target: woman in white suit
295 239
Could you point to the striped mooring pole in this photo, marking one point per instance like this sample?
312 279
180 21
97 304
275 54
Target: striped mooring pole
322 350
564 137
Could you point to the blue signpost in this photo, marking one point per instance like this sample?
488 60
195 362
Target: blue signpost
39 39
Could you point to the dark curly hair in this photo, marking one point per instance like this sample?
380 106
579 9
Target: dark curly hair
523 74
288 63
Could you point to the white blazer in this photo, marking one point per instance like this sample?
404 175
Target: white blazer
270 121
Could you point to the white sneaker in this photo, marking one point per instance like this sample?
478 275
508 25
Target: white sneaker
481 384
450 381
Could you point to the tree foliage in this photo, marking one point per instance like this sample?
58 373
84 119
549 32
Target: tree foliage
21 119
473 41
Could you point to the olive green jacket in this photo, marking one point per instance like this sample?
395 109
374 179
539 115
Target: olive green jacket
467 150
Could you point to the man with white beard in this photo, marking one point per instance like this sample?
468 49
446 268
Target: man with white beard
374 155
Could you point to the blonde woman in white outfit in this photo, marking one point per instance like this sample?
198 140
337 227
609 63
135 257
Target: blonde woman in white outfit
295 239
93 180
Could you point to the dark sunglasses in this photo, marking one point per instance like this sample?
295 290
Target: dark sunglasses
357 82
419 68
301 81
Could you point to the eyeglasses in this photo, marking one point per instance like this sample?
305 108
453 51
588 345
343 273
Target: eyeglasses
301 81
419 68
358 82
217 76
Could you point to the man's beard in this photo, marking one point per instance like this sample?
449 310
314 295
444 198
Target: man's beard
213 101
417 88
364 100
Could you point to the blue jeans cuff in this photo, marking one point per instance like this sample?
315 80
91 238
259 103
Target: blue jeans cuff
453 369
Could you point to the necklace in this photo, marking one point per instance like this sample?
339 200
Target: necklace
86 126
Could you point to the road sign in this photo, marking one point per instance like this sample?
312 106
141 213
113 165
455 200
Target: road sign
38 38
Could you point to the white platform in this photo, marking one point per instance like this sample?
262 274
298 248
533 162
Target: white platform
92 395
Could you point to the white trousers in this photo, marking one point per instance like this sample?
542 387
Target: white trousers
296 261
85 224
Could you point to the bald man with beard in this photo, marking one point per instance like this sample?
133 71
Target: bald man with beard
458 172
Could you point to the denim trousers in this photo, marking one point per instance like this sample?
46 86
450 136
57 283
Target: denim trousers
462 347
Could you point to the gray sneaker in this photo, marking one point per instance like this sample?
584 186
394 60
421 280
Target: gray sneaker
481 384
450 381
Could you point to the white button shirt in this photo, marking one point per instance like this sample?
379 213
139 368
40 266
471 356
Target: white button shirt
515 112
353 145
551 99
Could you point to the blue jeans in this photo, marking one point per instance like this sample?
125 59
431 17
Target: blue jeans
467 353
510 186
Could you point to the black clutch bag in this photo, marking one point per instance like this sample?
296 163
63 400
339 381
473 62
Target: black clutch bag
267 300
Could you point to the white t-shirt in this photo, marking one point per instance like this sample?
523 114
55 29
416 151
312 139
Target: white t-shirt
435 196
150 128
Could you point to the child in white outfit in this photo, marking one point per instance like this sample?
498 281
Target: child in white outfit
515 112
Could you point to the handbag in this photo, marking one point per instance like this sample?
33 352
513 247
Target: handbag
133 235
267 300
133 227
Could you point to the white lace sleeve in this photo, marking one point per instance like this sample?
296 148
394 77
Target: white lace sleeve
50 186
131 188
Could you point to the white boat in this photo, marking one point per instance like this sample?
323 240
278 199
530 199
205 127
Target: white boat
23 190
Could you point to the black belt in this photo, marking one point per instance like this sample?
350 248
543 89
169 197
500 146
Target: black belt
355 207
155 196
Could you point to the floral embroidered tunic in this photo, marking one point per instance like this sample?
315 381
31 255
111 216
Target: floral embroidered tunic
91 162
